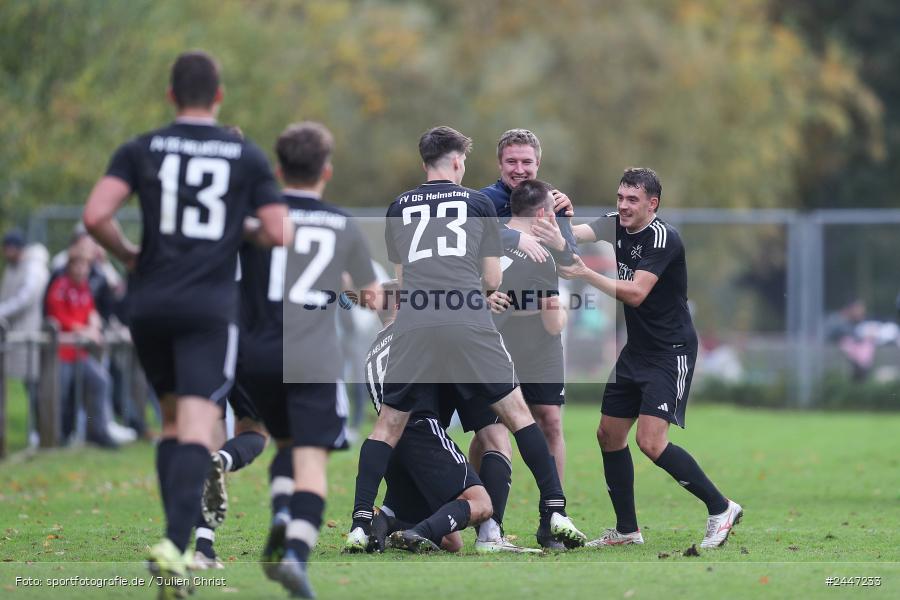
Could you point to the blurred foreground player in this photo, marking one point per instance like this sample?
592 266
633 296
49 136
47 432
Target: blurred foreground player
196 181
288 360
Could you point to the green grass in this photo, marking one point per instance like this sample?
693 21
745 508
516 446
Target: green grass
820 493
16 416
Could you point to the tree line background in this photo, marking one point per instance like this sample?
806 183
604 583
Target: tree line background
736 103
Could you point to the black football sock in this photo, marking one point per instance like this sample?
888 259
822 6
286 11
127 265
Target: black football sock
395 524
239 451
684 469
164 450
306 518
619 472
281 484
533 447
496 475
450 517
204 537
189 469
373 461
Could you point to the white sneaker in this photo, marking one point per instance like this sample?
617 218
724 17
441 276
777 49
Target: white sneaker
719 526
121 434
612 537
357 541
564 530
502 545
201 562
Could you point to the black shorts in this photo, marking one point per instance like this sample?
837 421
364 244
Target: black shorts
241 403
552 394
471 359
474 414
427 470
187 357
310 414
650 384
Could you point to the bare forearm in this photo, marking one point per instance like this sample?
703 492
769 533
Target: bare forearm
109 234
622 290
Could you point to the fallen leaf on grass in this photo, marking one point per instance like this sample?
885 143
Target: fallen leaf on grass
744 551
764 580
830 537
628 594
793 548
692 551
343 581
331 523
662 555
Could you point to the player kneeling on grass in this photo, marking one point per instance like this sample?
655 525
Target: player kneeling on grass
432 490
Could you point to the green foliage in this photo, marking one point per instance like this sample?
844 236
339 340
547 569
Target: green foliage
715 95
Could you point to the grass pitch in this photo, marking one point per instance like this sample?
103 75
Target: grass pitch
820 493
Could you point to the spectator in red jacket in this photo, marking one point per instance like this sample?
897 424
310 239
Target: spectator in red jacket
70 302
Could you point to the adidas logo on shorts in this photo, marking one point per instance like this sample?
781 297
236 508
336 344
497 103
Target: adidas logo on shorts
664 407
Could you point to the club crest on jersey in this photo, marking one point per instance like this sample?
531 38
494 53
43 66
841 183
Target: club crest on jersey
636 251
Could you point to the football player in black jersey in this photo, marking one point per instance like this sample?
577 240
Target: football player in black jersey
530 319
196 181
289 360
432 491
654 370
443 334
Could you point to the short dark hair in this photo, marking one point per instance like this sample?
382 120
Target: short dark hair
195 79
528 197
438 142
641 177
303 149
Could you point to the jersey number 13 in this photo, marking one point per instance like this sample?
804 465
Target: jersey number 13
210 197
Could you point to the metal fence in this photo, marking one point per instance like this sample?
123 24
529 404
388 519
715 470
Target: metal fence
49 394
762 283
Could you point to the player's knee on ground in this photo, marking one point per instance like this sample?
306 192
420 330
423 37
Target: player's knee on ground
480 508
452 542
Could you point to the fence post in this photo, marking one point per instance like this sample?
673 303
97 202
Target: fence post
3 325
49 418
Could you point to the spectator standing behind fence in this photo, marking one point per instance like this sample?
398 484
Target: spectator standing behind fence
70 302
21 291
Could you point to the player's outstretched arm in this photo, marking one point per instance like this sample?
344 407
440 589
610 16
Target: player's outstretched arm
100 218
633 293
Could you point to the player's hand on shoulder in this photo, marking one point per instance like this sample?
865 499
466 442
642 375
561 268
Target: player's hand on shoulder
546 229
562 201
574 271
532 248
498 301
